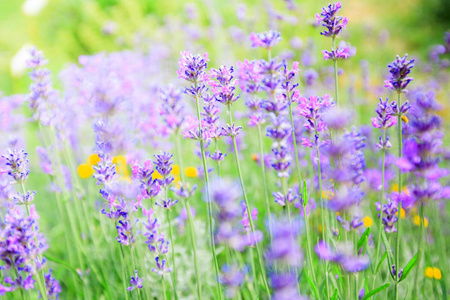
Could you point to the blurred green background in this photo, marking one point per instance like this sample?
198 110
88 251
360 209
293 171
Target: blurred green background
65 29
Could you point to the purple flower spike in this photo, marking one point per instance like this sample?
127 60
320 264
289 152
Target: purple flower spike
163 165
266 39
193 69
53 287
390 215
333 23
17 162
136 282
167 204
161 267
24 199
232 278
399 69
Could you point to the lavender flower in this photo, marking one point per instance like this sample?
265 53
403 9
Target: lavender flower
399 69
163 165
282 199
155 240
285 287
284 248
24 199
167 204
52 285
389 211
17 162
312 109
333 23
223 88
192 69
232 277
136 282
171 108
161 267
266 39
42 95
343 255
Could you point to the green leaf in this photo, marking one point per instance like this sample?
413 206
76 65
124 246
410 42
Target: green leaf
376 291
335 295
390 256
411 264
381 261
305 193
313 286
363 240
63 263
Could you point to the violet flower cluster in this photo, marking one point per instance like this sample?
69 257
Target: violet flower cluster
399 70
344 256
329 19
227 196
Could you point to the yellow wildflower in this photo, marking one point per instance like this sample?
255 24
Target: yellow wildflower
402 214
93 159
417 220
437 273
367 221
255 157
156 175
176 170
191 172
327 194
429 272
85 171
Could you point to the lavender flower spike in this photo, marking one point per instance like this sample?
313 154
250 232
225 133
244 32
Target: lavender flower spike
333 23
266 39
399 69
136 282
18 164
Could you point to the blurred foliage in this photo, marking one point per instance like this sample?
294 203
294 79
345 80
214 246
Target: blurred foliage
65 29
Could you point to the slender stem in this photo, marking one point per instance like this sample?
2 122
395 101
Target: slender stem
419 247
322 216
263 173
174 273
39 275
336 85
236 154
189 216
124 272
163 287
356 287
208 200
380 224
399 209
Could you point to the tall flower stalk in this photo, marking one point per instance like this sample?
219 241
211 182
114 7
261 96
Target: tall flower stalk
223 91
334 25
399 70
192 69
382 121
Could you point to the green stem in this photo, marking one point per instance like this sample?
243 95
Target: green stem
336 86
174 273
263 172
399 209
208 200
236 154
380 224
419 248
356 287
189 216
124 272
322 216
164 287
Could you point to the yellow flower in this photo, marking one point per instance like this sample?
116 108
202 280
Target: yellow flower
437 273
121 163
417 220
367 221
402 214
176 181
432 272
176 170
191 172
85 170
93 159
255 157
405 119
429 272
404 189
156 175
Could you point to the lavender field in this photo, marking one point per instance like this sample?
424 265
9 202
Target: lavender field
224 150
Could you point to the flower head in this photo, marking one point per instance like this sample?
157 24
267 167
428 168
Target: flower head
333 23
267 39
399 69
136 282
